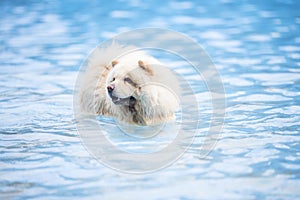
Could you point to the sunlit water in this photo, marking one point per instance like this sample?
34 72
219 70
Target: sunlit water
255 47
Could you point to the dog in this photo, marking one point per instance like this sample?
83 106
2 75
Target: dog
129 85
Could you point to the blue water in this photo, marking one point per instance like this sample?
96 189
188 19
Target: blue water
255 46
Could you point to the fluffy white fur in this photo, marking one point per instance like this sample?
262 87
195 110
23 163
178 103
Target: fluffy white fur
144 91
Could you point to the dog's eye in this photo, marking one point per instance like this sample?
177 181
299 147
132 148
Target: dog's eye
113 79
128 80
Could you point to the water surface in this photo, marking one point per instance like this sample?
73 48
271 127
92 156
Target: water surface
255 46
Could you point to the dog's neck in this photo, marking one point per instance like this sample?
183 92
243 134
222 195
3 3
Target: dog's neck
136 117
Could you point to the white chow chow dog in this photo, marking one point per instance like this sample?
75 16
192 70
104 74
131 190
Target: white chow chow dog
128 85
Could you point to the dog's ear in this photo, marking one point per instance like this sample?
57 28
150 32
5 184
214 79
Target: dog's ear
145 67
113 63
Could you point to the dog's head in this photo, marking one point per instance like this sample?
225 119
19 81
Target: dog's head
145 86
125 81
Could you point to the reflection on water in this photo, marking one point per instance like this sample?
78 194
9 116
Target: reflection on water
255 47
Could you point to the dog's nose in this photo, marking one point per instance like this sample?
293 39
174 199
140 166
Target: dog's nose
110 88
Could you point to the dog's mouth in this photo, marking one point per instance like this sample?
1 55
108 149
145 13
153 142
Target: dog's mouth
127 101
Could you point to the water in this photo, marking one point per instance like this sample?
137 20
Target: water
255 47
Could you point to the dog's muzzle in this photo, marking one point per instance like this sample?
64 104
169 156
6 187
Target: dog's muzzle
127 101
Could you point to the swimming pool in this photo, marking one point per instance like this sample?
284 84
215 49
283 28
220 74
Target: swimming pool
255 47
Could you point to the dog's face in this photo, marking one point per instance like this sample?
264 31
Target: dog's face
125 80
